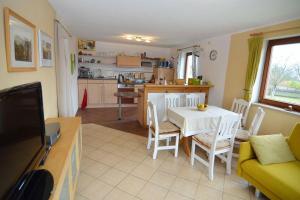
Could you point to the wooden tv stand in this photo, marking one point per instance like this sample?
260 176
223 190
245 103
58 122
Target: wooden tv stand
63 160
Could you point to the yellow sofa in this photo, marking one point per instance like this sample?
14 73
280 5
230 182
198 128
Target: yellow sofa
276 181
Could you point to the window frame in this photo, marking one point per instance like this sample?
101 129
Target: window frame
271 43
185 64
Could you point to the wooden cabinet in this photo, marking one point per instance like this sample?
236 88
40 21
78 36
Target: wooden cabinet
94 93
167 73
100 93
108 93
63 160
129 61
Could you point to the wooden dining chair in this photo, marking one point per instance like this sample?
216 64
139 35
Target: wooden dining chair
219 143
243 135
161 131
193 99
241 106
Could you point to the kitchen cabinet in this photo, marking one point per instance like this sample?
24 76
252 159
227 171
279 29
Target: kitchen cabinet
100 93
129 61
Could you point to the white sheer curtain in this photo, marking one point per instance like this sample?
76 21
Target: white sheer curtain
67 92
192 67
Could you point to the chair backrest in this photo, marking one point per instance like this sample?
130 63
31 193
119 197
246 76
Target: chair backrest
256 122
193 99
226 129
152 114
242 107
172 100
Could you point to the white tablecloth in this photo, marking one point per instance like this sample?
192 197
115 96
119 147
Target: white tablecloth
192 121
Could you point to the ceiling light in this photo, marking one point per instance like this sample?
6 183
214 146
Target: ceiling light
138 39
147 41
129 38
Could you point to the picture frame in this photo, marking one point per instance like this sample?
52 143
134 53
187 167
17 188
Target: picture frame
45 49
20 43
87 45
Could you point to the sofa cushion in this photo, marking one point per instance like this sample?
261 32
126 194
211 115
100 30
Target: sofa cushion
271 149
294 140
281 179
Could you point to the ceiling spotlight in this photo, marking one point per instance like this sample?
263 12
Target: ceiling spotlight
147 41
138 39
129 38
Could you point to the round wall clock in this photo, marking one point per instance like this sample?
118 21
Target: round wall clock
213 55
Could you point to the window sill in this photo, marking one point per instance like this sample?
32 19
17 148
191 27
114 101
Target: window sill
277 109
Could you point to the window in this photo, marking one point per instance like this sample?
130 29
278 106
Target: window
188 71
281 77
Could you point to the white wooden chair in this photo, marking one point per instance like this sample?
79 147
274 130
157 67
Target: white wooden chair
219 143
243 135
242 107
161 131
171 100
193 99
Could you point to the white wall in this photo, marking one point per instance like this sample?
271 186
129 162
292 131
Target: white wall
215 71
133 49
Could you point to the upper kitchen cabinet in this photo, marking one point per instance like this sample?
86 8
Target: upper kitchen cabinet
129 61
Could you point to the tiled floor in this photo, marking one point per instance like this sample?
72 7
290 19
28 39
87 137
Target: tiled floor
117 165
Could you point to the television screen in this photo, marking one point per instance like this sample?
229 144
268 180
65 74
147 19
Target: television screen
22 131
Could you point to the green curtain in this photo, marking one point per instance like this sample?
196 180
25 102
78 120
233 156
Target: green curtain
255 47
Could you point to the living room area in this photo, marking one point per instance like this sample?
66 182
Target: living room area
149 100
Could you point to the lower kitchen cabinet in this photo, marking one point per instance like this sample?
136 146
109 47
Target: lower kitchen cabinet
100 93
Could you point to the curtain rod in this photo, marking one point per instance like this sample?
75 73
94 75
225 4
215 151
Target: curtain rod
274 31
56 20
188 47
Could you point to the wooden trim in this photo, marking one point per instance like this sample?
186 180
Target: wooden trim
266 72
7 13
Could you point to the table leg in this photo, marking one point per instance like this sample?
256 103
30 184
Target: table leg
120 108
186 145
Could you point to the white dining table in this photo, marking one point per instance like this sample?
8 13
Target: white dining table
191 121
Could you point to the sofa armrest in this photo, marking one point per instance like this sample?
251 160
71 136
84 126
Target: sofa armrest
246 153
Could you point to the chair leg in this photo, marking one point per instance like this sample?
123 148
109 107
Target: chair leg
228 162
193 152
177 144
155 149
211 166
149 139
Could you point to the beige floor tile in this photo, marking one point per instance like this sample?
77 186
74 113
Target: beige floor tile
216 183
131 145
189 173
227 196
97 155
175 196
83 181
184 187
111 160
131 185
96 170
151 162
163 179
109 147
152 191
86 162
236 189
136 156
126 165
117 194
123 152
113 177
170 167
79 197
118 141
207 193
96 190
143 171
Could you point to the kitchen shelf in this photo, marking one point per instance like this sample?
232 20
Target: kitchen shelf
89 56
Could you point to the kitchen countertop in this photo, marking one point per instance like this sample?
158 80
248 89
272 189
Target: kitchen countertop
104 78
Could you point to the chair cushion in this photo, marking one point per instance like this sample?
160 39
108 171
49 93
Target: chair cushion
293 141
166 127
281 179
242 135
271 149
207 139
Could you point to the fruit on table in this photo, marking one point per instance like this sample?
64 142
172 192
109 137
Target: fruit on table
201 106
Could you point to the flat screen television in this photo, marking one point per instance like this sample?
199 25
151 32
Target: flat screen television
22 131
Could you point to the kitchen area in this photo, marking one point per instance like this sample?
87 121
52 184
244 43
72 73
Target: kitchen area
107 73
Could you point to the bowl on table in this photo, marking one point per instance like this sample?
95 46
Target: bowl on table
202 107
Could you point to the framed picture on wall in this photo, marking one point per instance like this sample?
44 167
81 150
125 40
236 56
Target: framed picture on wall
45 50
20 41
